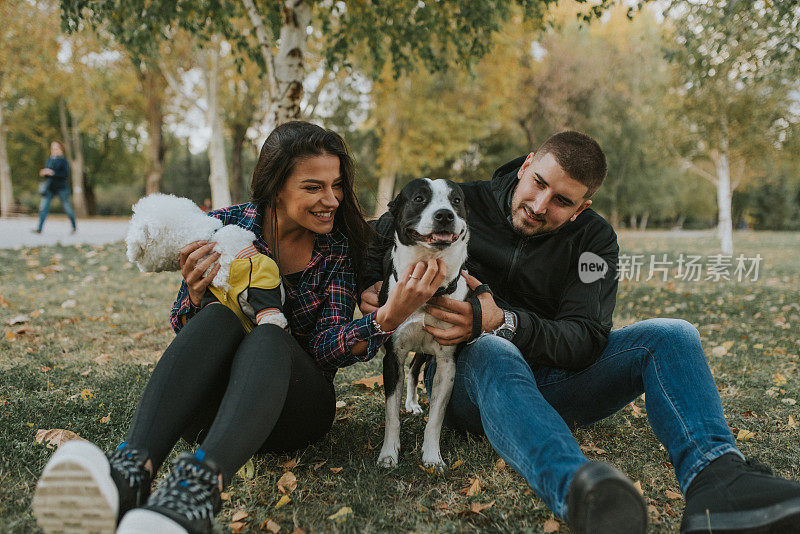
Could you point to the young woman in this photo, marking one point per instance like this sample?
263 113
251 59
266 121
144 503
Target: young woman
56 169
234 393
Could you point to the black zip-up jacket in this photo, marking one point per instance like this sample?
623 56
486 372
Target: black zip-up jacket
563 322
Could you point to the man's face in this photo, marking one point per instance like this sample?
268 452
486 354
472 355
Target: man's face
546 197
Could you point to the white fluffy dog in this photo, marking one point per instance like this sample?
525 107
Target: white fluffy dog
163 224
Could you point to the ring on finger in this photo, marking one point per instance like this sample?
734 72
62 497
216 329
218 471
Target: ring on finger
414 277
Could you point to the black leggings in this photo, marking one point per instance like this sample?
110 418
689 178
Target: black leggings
235 394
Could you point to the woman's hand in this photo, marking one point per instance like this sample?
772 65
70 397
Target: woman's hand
413 289
192 268
369 298
46 172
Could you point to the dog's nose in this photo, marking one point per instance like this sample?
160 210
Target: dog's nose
444 215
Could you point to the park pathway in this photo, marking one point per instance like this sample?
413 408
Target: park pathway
17 231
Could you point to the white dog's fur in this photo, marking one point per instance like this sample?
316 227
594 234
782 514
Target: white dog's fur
163 224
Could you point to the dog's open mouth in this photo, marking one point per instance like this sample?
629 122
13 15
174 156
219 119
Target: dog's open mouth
436 238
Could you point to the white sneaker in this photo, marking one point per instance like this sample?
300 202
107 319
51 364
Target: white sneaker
75 494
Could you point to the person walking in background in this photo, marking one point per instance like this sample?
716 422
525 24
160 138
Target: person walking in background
56 174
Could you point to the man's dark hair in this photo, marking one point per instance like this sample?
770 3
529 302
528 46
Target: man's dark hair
580 156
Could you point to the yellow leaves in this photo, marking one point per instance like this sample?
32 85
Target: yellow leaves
474 487
248 470
283 501
551 525
457 464
54 437
287 483
370 382
477 507
10 336
591 448
745 435
779 379
341 515
86 394
238 520
336 470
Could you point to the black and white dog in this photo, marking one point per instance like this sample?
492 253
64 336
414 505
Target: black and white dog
429 223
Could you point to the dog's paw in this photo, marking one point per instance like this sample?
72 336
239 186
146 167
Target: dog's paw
433 459
413 407
387 460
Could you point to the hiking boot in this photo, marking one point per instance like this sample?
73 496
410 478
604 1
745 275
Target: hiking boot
602 500
734 496
185 502
81 490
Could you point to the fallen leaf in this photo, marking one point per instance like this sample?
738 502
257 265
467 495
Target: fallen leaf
336 470
54 437
342 514
478 507
238 526
10 336
287 483
719 351
319 464
239 515
248 470
792 423
592 448
290 464
298 530
473 488
284 500
71 303
748 413
638 486
271 526
106 419
103 358
500 464
340 404
225 496
369 382
744 435
790 402
779 379
457 464
635 410
86 372
551 525
673 495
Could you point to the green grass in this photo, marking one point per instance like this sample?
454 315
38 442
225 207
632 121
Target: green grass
122 313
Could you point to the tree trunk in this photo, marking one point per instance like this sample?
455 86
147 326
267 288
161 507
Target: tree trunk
643 220
290 61
237 180
385 193
614 217
633 222
152 83
73 151
6 187
724 220
218 178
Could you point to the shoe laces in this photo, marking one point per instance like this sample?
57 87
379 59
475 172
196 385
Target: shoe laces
189 490
129 463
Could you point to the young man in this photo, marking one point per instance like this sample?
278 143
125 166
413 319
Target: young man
553 362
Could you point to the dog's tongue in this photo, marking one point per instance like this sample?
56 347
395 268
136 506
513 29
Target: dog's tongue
443 236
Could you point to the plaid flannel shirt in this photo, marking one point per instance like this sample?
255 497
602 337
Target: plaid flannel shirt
320 308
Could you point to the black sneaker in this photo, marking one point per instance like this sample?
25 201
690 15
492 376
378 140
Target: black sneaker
79 489
185 502
734 496
602 500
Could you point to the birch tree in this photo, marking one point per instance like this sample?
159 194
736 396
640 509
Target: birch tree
736 65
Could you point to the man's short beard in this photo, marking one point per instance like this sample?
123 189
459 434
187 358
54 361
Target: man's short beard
524 229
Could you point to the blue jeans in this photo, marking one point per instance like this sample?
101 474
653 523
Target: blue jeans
44 207
526 412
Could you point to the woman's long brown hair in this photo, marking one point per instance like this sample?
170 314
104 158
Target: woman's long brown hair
294 141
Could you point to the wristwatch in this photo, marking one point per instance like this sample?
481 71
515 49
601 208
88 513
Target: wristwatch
509 326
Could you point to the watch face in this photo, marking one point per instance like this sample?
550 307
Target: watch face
505 333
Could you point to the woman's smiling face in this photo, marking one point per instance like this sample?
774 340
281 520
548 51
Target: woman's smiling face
311 195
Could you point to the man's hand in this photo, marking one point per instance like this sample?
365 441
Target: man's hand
459 314
47 172
369 298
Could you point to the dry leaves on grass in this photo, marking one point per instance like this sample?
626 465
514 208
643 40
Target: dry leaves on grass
551 525
478 507
370 382
270 526
500 465
336 470
341 515
287 483
744 435
283 501
289 464
474 487
593 449
457 464
54 437
673 494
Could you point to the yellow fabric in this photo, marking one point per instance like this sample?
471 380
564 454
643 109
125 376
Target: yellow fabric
258 271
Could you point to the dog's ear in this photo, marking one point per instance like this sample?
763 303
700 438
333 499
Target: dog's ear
395 205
